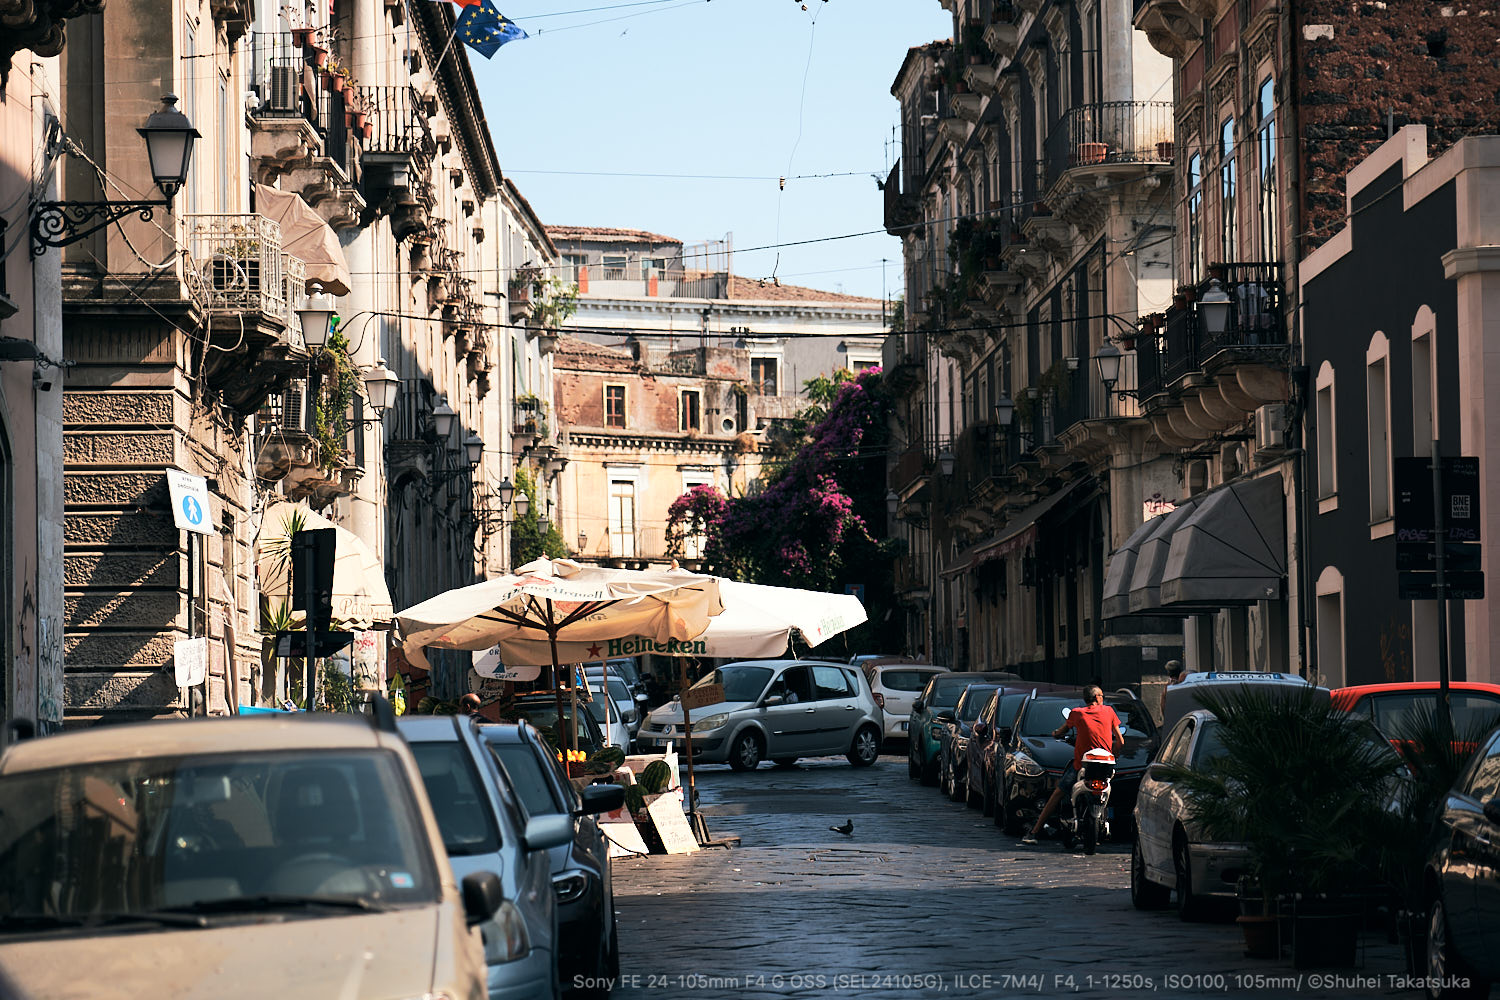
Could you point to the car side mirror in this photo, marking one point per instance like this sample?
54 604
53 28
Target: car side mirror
917 705
1492 811
1004 734
1160 772
482 895
944 717
546 832
771 699
641 697
601 799
981 730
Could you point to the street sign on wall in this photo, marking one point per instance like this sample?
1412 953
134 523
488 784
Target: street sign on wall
1458 557
190 509
1423 586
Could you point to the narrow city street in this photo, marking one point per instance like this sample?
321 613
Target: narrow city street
924 898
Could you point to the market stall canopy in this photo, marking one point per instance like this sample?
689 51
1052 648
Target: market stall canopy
307 237
758 622
558 602
360 597
1231 550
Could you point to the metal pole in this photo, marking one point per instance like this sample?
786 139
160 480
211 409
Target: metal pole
309 599
562 736
687 743
1439 534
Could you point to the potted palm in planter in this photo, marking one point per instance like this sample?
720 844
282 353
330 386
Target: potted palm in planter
1304 787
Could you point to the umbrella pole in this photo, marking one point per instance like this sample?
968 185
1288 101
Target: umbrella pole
700 829
562 734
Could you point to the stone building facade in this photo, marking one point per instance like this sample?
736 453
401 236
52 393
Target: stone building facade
31 349
187 349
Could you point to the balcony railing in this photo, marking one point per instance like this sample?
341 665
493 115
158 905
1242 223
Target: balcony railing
413 409
277 72
1257 317
338 139
1110 132
236 264
398 125
910 466
1073 402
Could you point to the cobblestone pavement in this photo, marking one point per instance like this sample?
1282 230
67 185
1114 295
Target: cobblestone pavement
925 899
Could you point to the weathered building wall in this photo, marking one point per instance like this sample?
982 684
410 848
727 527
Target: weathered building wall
1365 67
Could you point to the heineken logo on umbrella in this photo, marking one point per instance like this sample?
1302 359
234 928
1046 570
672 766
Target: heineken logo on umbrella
637 645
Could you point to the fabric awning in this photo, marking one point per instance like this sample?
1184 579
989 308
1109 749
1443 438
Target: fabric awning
1018 532
360 596
1117 575
1231 550
1151 559
307 237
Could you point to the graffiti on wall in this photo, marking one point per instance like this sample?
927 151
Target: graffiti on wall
38 664
1395 650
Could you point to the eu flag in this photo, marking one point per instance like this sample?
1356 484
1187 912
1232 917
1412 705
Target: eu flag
484 29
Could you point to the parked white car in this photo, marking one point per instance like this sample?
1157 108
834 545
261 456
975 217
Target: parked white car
609 710
896 683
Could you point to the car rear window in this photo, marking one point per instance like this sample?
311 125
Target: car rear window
462 808
1396 714
904 680
543 715
946 690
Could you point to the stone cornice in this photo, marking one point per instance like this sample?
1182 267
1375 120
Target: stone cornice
692 309
593 438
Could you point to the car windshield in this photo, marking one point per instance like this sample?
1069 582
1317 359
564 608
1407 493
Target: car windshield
904 680
524 768
1044 715
458 800
1134 721
973 703
543 715
327 833
1005 712
741 682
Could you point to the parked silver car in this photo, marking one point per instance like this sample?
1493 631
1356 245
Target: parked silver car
1171 855
779 710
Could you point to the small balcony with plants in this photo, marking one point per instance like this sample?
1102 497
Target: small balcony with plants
1104 143
284 116
397 153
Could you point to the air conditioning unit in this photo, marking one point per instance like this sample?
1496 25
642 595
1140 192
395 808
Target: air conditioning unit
1270 430
285 83
294 408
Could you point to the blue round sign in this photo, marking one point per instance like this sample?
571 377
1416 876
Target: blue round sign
192 510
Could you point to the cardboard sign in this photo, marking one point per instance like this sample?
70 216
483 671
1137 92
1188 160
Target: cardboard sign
702 697
624 839
190 657
190 509
671 824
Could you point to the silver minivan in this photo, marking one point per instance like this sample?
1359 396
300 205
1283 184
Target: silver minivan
776 710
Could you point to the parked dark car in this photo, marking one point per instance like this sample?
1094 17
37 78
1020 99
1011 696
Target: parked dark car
588 945
1034 760
988 738
1463 875
940 694
953 739
541 711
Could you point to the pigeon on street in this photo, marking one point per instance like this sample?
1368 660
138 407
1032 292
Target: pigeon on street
847 829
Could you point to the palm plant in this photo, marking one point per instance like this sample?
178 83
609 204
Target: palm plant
1300 783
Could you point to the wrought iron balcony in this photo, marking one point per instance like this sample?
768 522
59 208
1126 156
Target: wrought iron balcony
236 265
1100 136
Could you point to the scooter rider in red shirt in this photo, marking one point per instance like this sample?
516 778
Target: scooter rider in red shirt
1098 728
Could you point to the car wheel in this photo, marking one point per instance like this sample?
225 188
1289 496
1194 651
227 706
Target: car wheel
1189 906
1445 970
1144 893
865 748
746 751
955 789
1005 817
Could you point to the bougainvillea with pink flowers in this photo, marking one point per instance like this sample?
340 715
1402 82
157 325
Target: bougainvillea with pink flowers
808 524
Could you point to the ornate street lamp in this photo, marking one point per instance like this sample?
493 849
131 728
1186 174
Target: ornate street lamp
945 463
1005 411
443 416
1107 361
381 385
892 502
315 318
474 449
1213 309
169 148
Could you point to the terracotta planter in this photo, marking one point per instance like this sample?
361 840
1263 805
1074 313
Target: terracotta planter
333 84
357 119
1092 152
319 55
366 130
301 36
348 95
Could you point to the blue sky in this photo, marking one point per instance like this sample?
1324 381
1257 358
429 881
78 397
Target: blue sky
712 87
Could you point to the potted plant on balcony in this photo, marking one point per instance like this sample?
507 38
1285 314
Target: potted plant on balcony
301 35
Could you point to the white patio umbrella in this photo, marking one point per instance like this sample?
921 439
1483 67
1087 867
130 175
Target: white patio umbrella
758 622
556 602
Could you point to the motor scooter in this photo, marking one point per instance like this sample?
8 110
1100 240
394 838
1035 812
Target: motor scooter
1084 817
